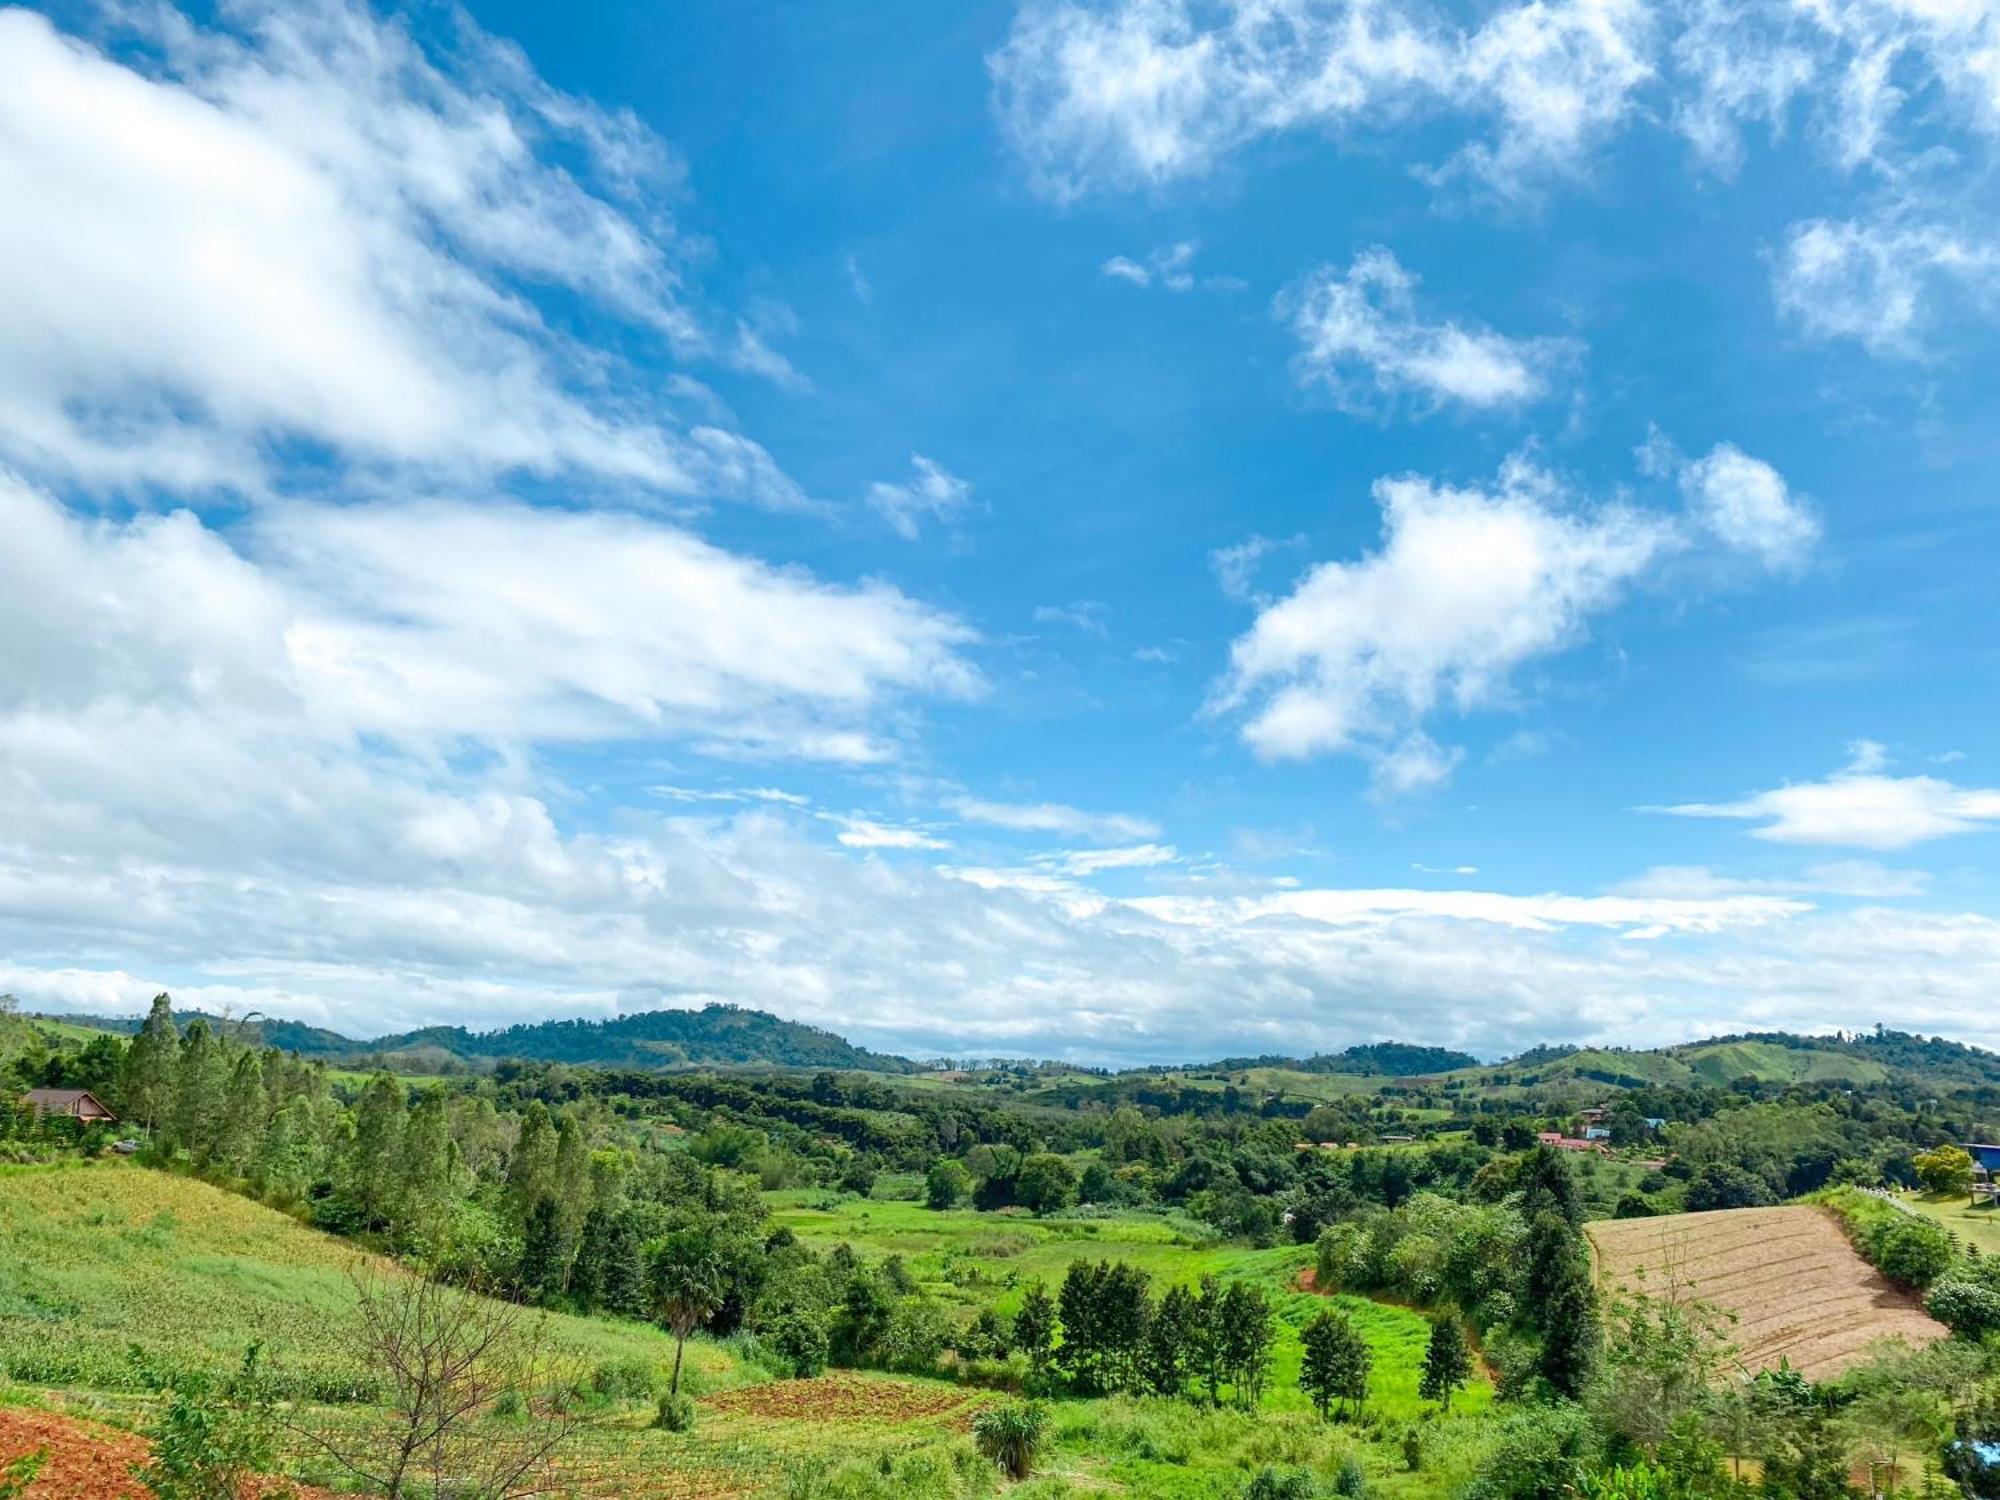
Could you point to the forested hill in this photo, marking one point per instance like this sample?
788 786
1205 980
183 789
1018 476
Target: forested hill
716 1035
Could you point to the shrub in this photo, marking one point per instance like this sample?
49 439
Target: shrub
1968 1308
1274 1483
623 1380
209 1441
1350 1479
675 1414
1911 1252
1537 1454
1012 1436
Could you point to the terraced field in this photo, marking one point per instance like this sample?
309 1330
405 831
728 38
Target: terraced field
1796 1288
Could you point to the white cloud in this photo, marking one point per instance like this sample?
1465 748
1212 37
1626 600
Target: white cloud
866 833
1860 807
930 491
1468 586
1236 566
1054 817
1087 615
1859 878
1364 342
1747 506
1882 282
430 622
1171 265
304 229
1082 862
1143 92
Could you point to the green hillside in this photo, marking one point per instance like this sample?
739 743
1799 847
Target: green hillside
100 1259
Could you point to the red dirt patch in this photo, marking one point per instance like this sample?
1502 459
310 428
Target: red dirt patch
83 1460
841 1398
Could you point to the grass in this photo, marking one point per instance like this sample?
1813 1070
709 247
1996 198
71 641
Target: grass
98 1259
1978 1227
95 1258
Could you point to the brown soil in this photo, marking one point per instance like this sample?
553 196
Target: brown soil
84 1460
1798 1290
841 1398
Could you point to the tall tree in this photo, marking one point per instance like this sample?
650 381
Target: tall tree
1035 1327
1246 1333
1170 1339
531 1169
201 1091
1337 1362
1447 1362
146 1084
241 1123
370 1164
424 1167
687 1282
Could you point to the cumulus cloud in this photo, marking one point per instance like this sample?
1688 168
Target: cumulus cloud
1363 341
1467 586
1056 818
1861 806
931 491
1747 506
1143 92
1135 93
301 226
1881 282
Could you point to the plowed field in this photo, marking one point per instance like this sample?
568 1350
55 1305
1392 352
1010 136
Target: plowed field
1796 1287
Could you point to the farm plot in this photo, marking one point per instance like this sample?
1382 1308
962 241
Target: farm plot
1788 1276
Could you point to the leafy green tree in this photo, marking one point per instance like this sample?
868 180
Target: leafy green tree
211 1439
543 1269
1035 1327
1246 1333
146 1081
201 1091
947 1183
1336 1363
531 1167
1046 1183
1170 1340
425 1164
369 1166
240 1124
1447 1361
1946 1169
687 1281
1570 1332
1547 1185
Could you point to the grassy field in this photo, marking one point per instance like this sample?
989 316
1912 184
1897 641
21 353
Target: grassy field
1978 1227
97 1258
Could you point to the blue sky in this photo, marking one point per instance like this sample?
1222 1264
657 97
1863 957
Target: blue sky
1126 530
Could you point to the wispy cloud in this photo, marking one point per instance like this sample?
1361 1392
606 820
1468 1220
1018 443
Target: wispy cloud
1860 806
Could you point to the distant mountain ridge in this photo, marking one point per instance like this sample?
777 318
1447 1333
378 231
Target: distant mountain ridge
730 1036
717 1035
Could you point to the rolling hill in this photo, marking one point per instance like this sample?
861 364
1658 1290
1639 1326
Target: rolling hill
716 1035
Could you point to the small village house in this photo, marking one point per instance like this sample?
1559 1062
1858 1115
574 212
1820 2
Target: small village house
77 1104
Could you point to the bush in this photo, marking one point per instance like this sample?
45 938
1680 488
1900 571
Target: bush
1012 1436
209 1441
1968 1308
676 1413
623 1380
1911 1252
1274 1483
1350 1479
1538 1454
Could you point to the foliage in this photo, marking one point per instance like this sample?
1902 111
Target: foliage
1447 1361
1944 1169
211 1439
1335 1364
1012 1435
